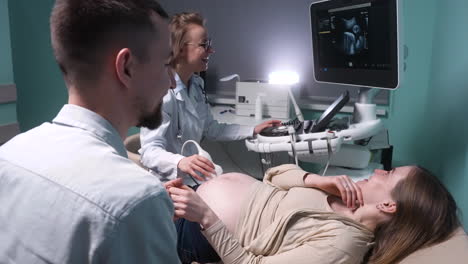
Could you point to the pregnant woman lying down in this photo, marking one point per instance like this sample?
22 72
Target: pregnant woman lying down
298 217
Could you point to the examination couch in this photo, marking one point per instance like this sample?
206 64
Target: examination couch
452 251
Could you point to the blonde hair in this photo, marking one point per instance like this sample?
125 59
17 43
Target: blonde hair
426 215
179 26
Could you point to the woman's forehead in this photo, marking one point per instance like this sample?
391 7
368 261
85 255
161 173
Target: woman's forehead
196 32
401 172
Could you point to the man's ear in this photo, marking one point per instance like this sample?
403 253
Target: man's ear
388 207
124 63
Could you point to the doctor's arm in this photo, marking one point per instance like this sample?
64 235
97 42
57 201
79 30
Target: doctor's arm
154 145
223 132
269 123
165 163
216 131
153 150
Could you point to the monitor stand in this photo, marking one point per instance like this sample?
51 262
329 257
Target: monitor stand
365 109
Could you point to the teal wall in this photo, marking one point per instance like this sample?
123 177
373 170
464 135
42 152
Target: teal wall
427 121
41 90
6 70
407 120
448 99
7 111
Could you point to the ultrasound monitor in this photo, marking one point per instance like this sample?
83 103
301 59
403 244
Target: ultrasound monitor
355 42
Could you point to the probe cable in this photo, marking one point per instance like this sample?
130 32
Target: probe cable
330 134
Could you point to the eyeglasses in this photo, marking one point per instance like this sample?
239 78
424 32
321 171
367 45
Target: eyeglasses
207 45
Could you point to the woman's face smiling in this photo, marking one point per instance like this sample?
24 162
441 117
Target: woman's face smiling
196 51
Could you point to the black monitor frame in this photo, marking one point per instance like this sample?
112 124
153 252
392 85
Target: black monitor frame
363 77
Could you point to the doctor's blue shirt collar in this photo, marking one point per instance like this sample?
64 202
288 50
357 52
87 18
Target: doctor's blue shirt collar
79 117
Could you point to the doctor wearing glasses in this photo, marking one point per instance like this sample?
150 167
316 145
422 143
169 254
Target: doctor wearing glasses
186 112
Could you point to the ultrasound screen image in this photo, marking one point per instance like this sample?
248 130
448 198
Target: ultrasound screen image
349 36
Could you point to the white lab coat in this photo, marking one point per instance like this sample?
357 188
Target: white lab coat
186 115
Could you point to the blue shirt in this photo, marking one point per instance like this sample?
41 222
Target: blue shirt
69 194
186 115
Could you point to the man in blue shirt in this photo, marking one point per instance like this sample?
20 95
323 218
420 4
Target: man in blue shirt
68 192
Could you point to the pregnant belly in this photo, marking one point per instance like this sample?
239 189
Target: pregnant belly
226 195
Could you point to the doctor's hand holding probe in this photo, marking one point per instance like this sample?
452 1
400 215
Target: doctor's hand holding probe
185 109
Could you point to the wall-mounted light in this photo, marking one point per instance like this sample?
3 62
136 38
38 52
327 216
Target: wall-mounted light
283 77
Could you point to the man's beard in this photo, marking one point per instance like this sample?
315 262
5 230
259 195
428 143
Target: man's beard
151 120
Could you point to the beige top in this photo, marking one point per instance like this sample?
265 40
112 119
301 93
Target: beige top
284 222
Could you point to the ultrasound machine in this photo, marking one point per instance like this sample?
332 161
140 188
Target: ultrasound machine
355 43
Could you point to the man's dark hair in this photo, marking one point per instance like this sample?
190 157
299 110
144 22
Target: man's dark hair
85 31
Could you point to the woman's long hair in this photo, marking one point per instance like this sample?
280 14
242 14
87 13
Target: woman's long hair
426 215
179 26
